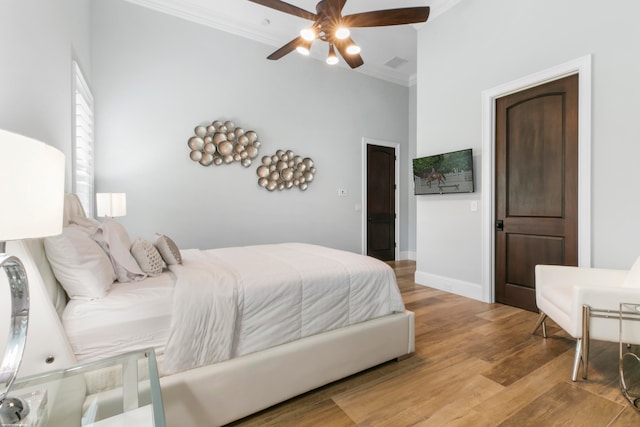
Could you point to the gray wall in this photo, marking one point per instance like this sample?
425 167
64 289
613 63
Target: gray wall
37 42
156 77
479 45
411 199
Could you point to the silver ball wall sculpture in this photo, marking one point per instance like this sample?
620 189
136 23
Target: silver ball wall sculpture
223 143
285 170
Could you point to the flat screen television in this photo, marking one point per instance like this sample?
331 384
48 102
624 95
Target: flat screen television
444 173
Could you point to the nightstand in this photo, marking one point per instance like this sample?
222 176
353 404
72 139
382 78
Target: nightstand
117 391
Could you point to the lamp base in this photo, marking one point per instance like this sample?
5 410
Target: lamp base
13 410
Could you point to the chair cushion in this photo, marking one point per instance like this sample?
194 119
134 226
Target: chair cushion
633 276
559 295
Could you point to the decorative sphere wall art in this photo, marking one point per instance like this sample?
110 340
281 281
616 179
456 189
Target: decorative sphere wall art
285 170
223 143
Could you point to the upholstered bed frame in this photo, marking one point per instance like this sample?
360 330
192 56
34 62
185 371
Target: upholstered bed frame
223 392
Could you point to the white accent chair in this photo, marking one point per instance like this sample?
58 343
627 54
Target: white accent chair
585 302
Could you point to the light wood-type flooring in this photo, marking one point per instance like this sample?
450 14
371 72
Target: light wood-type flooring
475 364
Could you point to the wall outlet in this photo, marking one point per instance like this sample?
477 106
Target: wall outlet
342 192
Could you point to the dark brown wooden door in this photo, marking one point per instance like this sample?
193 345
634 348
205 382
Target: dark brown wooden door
536 186
381 202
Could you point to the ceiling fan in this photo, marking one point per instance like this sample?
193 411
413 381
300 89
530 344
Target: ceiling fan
330 26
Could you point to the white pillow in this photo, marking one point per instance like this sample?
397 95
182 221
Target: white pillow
147 256
633 276
168 249
79 264
115 241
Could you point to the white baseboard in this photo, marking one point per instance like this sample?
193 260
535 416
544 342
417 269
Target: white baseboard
454 286
410 255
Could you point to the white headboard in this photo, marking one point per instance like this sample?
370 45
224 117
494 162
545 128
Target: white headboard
72 208
47 345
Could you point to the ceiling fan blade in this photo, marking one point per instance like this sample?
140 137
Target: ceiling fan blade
287 48
382 18
354 60
286 8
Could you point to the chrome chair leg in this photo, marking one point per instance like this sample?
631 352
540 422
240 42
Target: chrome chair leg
586 315
576 360
539 322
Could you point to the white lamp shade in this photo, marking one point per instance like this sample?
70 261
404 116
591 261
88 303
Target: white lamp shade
111 204
32 177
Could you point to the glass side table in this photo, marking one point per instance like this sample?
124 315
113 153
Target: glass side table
117 391
629 363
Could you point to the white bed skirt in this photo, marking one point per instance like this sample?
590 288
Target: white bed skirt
224 392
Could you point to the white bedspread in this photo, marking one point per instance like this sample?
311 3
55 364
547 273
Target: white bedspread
234 301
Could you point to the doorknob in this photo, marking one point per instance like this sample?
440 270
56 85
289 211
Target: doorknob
499 225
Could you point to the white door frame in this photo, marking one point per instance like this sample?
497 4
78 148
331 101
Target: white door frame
396 147
582 67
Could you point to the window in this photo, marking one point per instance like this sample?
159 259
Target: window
83 151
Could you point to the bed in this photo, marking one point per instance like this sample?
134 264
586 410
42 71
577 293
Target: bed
272 352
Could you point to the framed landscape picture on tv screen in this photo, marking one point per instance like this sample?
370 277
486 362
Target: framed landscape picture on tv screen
444 173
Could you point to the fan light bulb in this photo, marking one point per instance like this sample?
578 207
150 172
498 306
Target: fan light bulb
342 33
308 34
332 59
353 49
304 47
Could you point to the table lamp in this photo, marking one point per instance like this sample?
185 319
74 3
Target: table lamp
32 174
111 204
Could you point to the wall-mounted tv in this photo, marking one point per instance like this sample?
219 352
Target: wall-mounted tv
444 173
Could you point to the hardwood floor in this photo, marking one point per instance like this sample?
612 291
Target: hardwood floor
475 364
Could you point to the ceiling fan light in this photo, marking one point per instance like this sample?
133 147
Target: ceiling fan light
342 33
303 50
308 34
332 59
353 49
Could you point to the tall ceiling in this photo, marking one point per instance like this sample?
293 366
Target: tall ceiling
389 53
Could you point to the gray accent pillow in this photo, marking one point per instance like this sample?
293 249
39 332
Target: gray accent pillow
168 249
147 257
